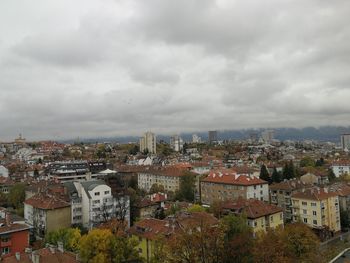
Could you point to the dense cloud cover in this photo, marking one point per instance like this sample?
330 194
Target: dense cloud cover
111 68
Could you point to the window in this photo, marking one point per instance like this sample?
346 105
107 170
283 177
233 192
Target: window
314 222
304 211
271 219
96 201
304 203
6 250
305 220
314 213
106 192
97 193
254 187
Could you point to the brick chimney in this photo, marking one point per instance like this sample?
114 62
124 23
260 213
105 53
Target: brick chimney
8 218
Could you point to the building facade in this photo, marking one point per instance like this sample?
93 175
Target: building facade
318 208
281 195
228 185
148 142
345 141
260 215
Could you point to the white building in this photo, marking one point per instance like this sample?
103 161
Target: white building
340 168
176 143
345 141
92 203
267 135
149 142
196 138
4 172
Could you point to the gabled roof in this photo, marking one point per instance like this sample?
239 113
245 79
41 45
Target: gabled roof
227 176
292 184
252 208
46 201
315 193
90 185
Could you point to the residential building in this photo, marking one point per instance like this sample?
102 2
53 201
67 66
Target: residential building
315 178
6 184
44 255
260 215
225 184
267 135
14 237
196 138
149 229
318 208
92 203
168 177
176 143
149 142
4 172
68 170
212 136
341 167
280 195
343 191
345 141
47 212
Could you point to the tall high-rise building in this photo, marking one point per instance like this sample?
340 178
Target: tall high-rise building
176 143
267 135
149 142
345 141
212 136
196 138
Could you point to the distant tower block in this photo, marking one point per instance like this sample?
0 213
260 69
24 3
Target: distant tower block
213 136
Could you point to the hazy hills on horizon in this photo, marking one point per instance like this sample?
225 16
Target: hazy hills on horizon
324 133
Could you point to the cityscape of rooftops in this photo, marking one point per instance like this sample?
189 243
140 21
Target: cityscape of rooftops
212 131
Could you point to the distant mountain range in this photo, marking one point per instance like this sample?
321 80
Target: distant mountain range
324 133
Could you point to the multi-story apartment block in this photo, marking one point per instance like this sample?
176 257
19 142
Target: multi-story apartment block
340 168
318 208
228 185
75 170
169 178
280 195
212 136
149 142
176 143
260 215
14 237
46 213
92 203
345 141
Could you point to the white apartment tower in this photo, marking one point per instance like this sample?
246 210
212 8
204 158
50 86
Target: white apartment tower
148 141
176 143
345 141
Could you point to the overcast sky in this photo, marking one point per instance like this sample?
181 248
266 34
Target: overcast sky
92 68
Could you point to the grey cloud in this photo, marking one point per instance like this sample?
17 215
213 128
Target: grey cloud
112 68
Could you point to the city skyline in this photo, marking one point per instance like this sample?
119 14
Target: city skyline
118 68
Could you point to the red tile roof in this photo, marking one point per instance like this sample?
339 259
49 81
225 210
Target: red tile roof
46 201
314 194
252 208
45 255
227 176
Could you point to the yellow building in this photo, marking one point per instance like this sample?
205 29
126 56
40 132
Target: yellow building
318 208
151 231
260 215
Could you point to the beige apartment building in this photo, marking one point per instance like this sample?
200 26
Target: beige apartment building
226 184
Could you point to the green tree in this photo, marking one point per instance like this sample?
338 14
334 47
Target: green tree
101 246
155 188
17 195
276 176
289 171
307 161
331 176
238 239
264 174
196 208
187 187
68 236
